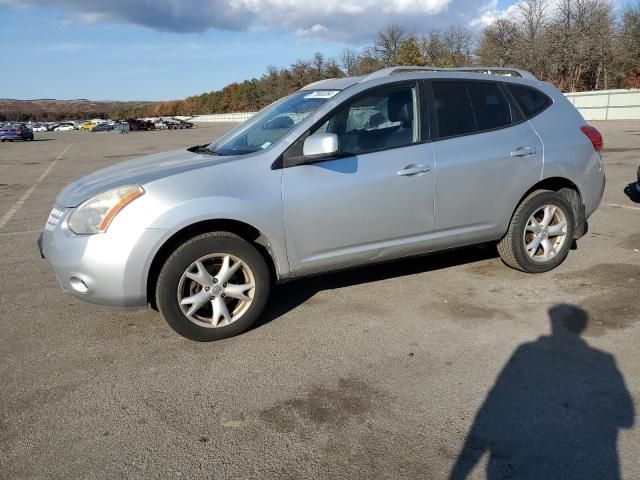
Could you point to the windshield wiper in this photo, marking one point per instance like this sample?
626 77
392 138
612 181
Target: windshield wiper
235 151
202 149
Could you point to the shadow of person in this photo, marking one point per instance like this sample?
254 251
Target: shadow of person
554 411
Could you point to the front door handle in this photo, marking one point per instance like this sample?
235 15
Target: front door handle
413 170
523 152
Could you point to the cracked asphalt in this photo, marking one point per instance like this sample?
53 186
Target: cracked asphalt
446 365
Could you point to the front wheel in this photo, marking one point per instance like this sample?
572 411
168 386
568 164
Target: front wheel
540 233
213 286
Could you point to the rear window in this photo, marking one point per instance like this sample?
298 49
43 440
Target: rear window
464 108
530 100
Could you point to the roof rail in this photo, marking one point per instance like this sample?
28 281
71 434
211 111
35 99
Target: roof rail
504 71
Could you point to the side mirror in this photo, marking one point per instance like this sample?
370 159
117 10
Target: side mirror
320 146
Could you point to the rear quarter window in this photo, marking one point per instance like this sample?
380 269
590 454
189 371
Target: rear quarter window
530 100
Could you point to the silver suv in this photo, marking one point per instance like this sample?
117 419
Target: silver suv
345 172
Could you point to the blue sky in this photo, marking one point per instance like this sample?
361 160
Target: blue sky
169 49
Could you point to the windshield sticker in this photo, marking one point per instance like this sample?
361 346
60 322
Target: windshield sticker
265 145
322 94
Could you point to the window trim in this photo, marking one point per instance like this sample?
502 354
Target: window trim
434 118
423 129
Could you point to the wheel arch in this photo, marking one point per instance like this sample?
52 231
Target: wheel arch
570 191
244 230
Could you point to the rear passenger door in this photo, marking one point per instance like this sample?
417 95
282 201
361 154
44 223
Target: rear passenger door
486 157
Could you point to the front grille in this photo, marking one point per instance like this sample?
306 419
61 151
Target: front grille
57 213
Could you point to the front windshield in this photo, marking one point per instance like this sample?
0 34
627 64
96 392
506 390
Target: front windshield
271 124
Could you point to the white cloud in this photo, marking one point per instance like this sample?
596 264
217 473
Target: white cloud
490 12
341 20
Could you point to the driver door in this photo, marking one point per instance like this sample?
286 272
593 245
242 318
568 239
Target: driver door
374 201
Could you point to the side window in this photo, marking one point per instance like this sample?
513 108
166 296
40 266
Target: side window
530 100
465 108
387 118
453 109
490 106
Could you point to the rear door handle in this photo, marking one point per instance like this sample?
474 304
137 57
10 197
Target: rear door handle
523 152
413 170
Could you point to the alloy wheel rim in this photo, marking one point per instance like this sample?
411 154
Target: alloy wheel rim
545 233
216 290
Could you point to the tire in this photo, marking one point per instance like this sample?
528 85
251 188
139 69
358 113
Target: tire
548 245
211 249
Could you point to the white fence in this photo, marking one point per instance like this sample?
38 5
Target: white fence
222 117
600 105
607 104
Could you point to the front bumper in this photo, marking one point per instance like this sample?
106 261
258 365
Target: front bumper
113 266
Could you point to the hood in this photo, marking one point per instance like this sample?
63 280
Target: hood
133 172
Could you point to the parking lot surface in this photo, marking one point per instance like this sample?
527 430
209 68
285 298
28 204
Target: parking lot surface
401 370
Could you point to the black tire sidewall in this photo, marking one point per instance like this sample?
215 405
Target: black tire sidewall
529 208
185 255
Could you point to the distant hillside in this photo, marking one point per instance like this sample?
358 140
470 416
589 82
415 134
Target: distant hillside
49 109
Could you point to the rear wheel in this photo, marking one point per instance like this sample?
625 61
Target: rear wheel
540 233
213 286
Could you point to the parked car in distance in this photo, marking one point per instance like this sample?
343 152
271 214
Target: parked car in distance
38 128
88 126
63 128
345 172
13 132
121 126
102 127
136 124
178 124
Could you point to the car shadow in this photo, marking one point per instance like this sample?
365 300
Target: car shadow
554 412
632 192
287 296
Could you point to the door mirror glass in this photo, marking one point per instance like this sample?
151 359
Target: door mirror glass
320 145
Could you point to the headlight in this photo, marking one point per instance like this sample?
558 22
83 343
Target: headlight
95 214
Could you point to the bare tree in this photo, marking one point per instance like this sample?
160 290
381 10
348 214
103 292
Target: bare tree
368 63
571 46
434 50
629 46
458 43
317 67
349 60
387 44
533 19
500 44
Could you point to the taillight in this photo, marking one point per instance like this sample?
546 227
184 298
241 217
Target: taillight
594 135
